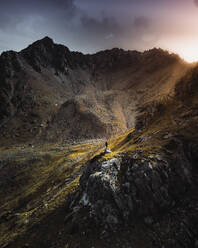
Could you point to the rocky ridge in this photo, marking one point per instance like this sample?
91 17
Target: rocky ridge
38 83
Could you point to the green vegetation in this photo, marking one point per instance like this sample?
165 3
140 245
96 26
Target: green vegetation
37 183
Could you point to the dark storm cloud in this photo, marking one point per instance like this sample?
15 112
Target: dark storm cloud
102 32
22 22
36 4
106 27
86 25
142 22
61 19
13 12
101 26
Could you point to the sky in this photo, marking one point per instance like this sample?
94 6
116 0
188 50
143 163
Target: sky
92 25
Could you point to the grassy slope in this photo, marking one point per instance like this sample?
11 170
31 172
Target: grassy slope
32 213
175 120
36 183
37 191
37 216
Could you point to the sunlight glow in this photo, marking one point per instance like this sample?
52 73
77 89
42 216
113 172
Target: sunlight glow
188 50
190 54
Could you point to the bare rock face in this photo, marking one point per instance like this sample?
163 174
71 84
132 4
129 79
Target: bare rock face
70 119
140 190
106 87
101 180
120 189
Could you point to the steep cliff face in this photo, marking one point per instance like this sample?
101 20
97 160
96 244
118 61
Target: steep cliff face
107 86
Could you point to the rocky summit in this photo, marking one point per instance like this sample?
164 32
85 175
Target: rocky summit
98 150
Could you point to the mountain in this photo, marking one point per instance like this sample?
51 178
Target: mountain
57 194
52 94
145 190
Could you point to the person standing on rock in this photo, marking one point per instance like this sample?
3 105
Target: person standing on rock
106 144
107 150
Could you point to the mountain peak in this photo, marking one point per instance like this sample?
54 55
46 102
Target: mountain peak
46 40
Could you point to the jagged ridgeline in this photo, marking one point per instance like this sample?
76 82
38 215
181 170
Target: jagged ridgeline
50 93
54 193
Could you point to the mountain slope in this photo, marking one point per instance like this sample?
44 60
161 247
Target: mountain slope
143 194
108 86
147 185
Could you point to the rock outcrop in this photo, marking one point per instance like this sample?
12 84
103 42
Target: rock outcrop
155 190
117 190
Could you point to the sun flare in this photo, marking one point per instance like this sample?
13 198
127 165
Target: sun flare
189 51
190 54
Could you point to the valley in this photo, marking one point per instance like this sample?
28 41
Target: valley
58 186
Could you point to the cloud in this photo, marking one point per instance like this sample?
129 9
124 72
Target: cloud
95 26
109 36
91 25
142 22
196 2
15 12
24 21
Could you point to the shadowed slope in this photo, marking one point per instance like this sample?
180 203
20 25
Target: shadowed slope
110 84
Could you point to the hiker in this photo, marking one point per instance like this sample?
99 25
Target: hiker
106 144
107 150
